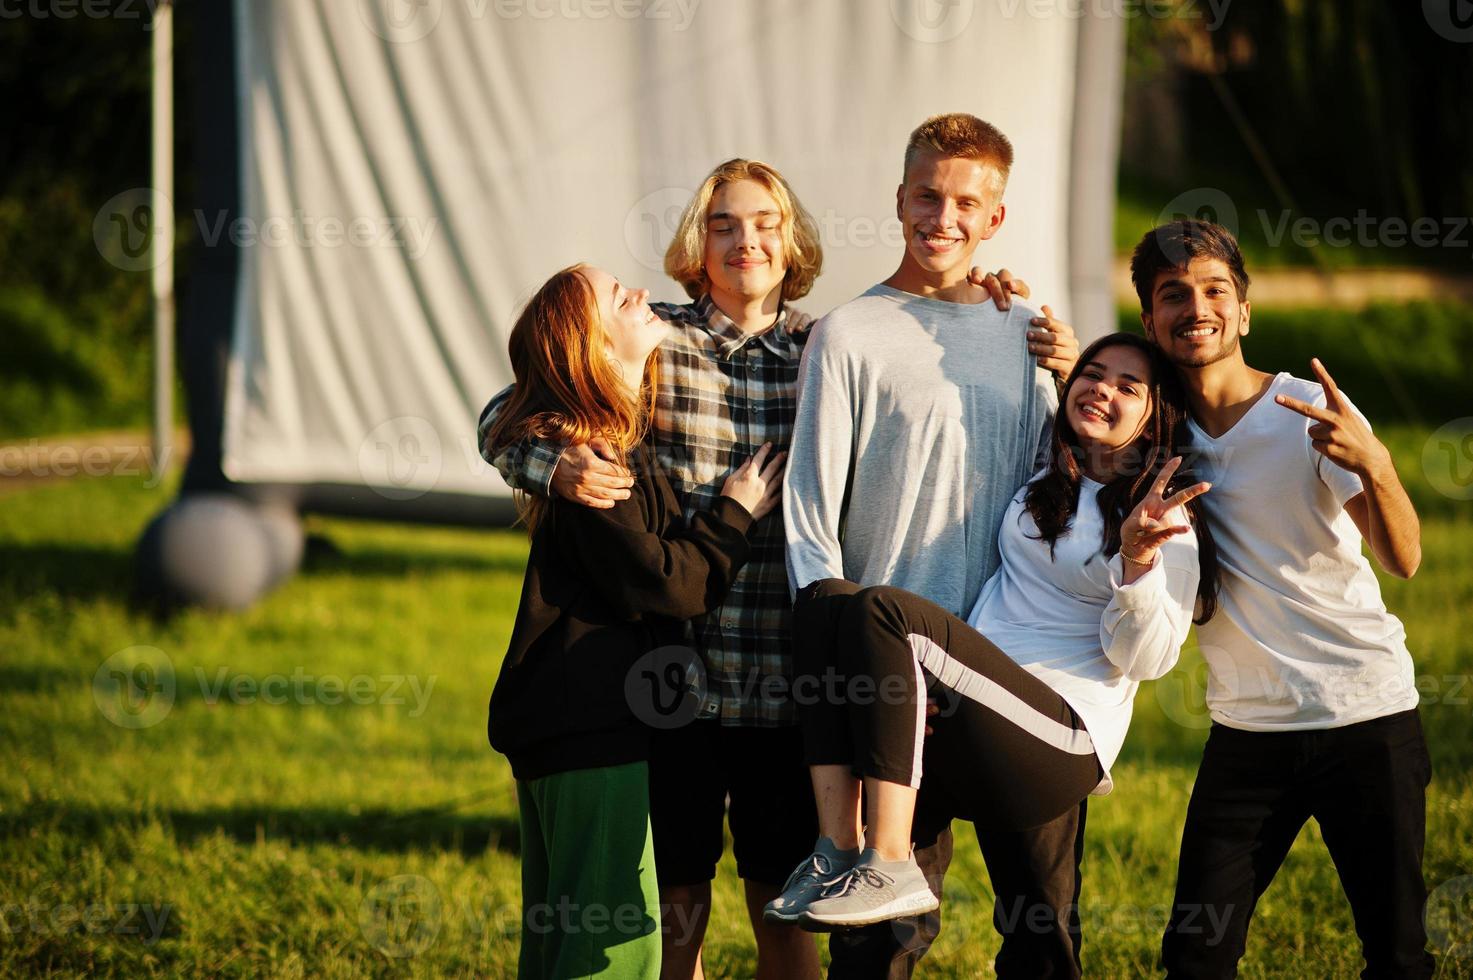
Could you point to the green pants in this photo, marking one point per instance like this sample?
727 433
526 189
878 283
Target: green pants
590 904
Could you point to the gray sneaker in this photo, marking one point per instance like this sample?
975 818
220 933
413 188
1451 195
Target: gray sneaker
873 891
808 881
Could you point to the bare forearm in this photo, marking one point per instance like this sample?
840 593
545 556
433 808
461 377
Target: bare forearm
1394 532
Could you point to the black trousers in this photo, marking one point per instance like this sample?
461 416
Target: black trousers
1365 784
1007 753
1036 877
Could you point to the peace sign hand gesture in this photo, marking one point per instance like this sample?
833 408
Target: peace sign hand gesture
1339 434
1146 530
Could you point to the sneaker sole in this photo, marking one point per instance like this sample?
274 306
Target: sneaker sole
898 909
781 917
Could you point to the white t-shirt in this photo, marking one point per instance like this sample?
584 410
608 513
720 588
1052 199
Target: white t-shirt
1069 621
1301 639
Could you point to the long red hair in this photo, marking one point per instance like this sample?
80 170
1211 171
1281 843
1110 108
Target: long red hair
567 388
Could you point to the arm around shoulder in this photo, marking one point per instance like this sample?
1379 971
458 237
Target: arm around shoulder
526 464
639 570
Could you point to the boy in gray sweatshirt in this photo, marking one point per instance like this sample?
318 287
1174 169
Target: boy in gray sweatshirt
919 416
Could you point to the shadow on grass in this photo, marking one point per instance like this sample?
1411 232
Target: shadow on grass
86 572
69 570
373 829
388 563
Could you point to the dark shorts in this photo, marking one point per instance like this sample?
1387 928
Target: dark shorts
754 776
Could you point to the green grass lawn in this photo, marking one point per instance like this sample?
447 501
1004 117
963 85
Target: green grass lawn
377 836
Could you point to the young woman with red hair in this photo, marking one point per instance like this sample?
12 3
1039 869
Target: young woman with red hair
603 589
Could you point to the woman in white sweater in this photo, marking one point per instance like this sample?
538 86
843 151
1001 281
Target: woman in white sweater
1104 558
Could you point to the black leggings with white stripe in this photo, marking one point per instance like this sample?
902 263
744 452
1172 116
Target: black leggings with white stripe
1006 753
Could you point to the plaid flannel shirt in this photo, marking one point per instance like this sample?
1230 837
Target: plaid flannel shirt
722 395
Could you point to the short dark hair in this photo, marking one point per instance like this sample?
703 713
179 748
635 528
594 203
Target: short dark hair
1172 246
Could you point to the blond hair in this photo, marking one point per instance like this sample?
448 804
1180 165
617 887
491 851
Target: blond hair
685 259
960 134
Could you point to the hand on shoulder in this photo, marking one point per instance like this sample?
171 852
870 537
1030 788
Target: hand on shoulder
590 474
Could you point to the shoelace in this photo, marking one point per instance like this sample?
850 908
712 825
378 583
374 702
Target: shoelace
855 878
817 868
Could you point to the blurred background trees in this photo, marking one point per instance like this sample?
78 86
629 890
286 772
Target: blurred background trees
74 330
1323 109
1291 108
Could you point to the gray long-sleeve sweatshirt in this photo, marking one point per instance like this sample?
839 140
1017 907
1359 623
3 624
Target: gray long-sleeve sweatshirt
918 419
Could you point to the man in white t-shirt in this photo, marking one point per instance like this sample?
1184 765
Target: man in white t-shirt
1311 689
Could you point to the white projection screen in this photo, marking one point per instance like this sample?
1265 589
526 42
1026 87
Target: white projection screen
412 169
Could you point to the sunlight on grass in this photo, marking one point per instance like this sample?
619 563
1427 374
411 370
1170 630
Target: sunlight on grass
378 836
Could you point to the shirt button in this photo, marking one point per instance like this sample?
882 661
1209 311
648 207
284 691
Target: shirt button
727 624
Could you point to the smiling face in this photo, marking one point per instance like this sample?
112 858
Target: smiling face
1196 317
744 257
1110 399
631 329
947 207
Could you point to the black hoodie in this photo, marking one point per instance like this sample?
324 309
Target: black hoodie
603 588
